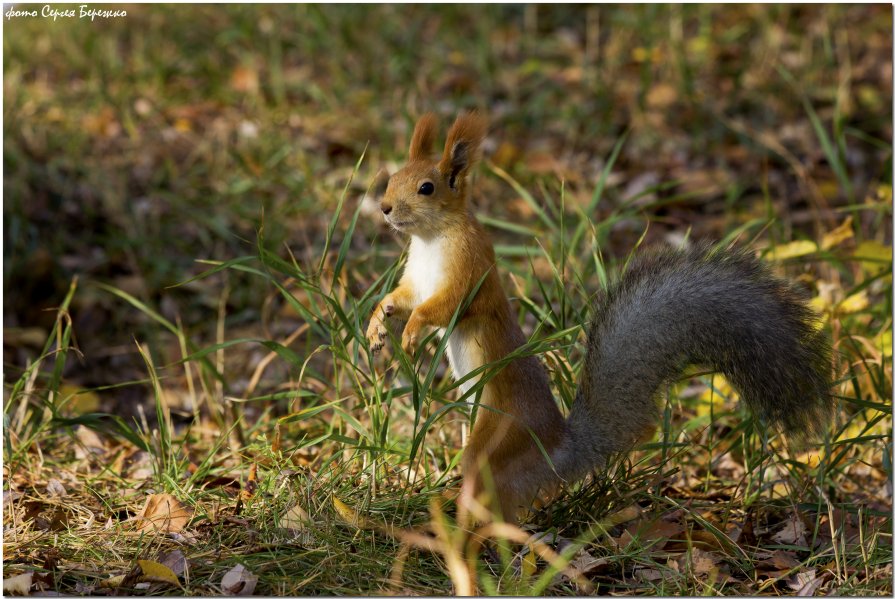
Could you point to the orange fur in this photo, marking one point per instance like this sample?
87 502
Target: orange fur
423 137
450 253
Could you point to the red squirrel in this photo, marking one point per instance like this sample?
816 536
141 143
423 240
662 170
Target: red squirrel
672 308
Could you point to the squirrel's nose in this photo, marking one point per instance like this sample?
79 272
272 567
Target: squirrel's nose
386 208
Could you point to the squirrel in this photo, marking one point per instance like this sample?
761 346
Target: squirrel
670 309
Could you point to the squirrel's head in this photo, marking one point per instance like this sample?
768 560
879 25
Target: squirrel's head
428 194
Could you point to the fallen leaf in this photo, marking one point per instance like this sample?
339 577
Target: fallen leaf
77 400
529 563
176 561
804 583
586 563
835 237
873 256
649 574
348 514
239 581
779 560
792 533
89 443
621 516
295 519
650 533
18 585
854 303
794 249
248 491
112 583
883 342
156 572
661 96
703 562
163 513
244 79
55 488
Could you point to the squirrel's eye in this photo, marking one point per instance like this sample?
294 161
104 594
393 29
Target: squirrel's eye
426 189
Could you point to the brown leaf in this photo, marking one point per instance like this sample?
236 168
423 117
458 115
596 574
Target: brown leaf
239 581
661 96
792 533
295 518
163 513
703 561
244 79
779 560
654 533
175 561
586 563
805 583
89 443
55 488
649 574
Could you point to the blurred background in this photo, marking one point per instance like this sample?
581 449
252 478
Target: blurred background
135 148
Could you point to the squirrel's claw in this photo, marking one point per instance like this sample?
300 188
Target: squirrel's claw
376 334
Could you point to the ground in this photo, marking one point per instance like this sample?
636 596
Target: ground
192 248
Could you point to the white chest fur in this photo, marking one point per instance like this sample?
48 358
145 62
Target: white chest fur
425 266
426 263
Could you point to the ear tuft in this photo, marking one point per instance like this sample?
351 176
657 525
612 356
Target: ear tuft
423 136
462 149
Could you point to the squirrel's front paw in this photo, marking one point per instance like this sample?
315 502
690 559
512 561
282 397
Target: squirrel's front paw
376 333
411 335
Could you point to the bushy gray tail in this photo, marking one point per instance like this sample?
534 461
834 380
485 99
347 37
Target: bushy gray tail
713 307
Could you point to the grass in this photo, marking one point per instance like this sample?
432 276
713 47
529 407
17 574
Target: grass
189 265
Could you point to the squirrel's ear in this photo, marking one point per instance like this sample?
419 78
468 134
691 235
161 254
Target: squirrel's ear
423 137
461 151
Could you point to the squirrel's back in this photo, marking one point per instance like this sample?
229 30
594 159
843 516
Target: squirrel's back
716 307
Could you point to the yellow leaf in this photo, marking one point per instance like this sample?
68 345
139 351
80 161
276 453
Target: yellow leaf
183 125
78 400
640 54
883 342
854 303
793 249
529 563
156 572
819 304
621 516
835 237
811 457
714 396
112 583
348 514
873 256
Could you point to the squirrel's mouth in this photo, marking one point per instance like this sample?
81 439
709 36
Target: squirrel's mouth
399 224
